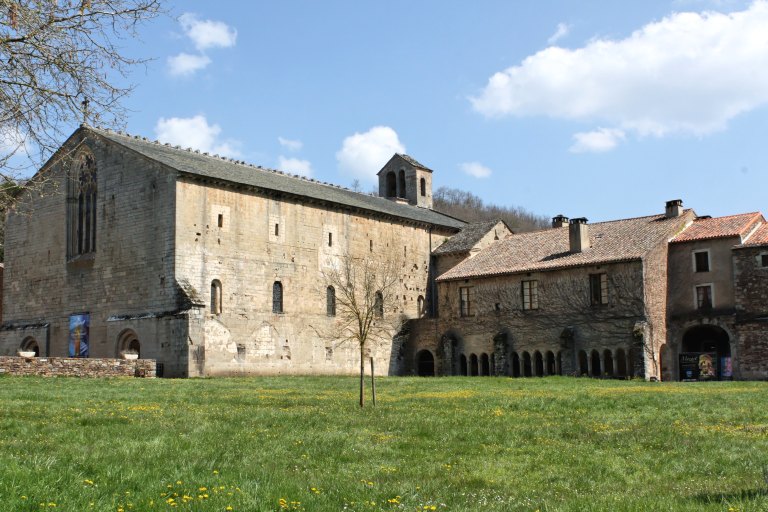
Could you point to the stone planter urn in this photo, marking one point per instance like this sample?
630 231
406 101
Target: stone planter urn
26 353
130 356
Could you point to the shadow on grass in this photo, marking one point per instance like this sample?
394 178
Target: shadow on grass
725 497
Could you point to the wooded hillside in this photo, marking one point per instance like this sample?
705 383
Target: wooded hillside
468 207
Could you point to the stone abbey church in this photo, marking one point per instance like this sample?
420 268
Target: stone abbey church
211 266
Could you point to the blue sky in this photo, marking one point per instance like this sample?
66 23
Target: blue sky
597 109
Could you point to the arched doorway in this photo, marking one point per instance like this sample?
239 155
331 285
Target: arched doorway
128 344
527 365
515 364
538 363
551 367
485 365
463 365
583 364
705 354
473 367
596 364
425 364
608 358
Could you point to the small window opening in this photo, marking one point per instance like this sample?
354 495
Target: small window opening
221 220
405 251
701 261
277 297
370 245
764 260
378 305
277 229
215 297
330 239
330 301
423 186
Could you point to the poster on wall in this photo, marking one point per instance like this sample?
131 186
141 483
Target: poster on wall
78 334
698 366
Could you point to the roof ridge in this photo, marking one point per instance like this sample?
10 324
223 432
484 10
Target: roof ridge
215 156
728 216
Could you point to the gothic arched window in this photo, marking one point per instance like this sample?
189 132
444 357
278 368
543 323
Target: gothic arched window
277 297
81 206
330 301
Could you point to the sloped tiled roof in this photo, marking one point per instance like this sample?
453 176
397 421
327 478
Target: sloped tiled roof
466 239
720 227
413 161
200 164
759 237
548 249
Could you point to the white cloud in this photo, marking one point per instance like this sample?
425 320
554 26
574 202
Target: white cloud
186 64
290 145
204 34
689 73
362 155
207 33
476 169
563 29
295 166
195 132
597 141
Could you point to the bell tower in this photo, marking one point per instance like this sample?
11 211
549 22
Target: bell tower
403 179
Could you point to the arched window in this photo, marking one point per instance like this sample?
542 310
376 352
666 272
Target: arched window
538 363
401 183
330 301
81 206
391 184
595 359
485 365
583 364
378 305
463 365
30 345
277 297
473 366
423 187
215 297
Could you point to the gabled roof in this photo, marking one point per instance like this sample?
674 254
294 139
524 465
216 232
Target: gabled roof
759 237
413 161
220 168
707 228
407 159
549 249
465 240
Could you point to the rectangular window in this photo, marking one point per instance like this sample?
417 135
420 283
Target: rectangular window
330 239
370 244
764 260
701 261
530 294
598 289
277 229
221 220
466 300
704 297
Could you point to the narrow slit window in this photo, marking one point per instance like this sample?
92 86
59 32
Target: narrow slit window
330 239
221 220
277 297
277 229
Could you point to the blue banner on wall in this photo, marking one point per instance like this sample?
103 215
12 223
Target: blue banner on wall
79 326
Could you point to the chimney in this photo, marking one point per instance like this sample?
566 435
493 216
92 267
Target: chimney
559 221
674 208
578 234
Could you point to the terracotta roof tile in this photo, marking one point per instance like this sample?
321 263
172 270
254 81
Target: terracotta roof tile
720 227
759 237
466 239
548 249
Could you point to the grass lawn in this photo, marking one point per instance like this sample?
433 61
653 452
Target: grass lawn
301 443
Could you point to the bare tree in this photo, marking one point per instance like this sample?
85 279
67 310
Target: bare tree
61 64
365 305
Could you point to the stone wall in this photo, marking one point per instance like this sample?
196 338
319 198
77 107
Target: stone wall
751 326
247 241
70 367
565 323
129 275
